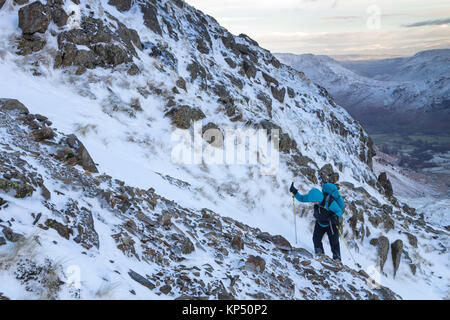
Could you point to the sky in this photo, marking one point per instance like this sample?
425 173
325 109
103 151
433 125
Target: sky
337 27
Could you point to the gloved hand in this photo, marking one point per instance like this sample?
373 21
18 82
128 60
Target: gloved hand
293 190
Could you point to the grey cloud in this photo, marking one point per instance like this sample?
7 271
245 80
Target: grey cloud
428 23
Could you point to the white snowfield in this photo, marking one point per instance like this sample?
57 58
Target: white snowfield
136 146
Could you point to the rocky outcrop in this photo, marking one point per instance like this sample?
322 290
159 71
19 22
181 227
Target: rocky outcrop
13 105
382 244
121 5
396 251
385 185
150 17
182 116
34 17
329 174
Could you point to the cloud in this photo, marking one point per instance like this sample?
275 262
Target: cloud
428 23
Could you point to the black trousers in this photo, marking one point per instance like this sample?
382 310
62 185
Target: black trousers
333 237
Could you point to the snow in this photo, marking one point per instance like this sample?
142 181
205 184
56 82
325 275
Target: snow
137 150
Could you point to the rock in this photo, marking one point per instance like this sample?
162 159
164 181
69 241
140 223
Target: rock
385 184
187 246
183 115
269 79
181 83
249 69
63 231
29 44
383 249
13 104
2 241
301 252
396 251
281 243
196 70
34 18
264 236
230 62
165 289
45 193
267 101
133 70
140 279
291 92
256 263
412 239
212 134
237 243
329 174
150 17
12 236
278 93
121 5
20 2
81 154
45 133
2 2
59 16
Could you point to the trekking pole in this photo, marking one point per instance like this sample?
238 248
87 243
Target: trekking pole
340 233
295 223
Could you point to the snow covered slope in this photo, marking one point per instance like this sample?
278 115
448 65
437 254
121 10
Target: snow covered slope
123 76
410 90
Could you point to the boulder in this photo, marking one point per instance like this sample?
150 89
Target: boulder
13 104
385 184
81 154
382 250
12 236
59 16
183 115
281 243
29 44
255 263
44 133
140 279
237 243
33 18
396 251
412 239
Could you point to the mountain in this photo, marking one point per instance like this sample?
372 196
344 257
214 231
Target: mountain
386 95
98 97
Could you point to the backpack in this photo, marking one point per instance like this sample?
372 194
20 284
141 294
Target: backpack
323 215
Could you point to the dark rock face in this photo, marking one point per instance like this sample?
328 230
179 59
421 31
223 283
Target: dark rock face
59 16
328 174
412 239
267 101
396 251
121 5
2 2
106 49
33 18
385 184
278 93
150 17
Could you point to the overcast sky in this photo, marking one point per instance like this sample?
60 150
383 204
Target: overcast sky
336 27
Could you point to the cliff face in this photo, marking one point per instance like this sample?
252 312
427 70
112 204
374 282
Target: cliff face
90 176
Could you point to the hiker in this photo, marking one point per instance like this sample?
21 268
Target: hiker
327 211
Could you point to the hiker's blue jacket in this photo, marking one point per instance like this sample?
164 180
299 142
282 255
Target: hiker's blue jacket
315 195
